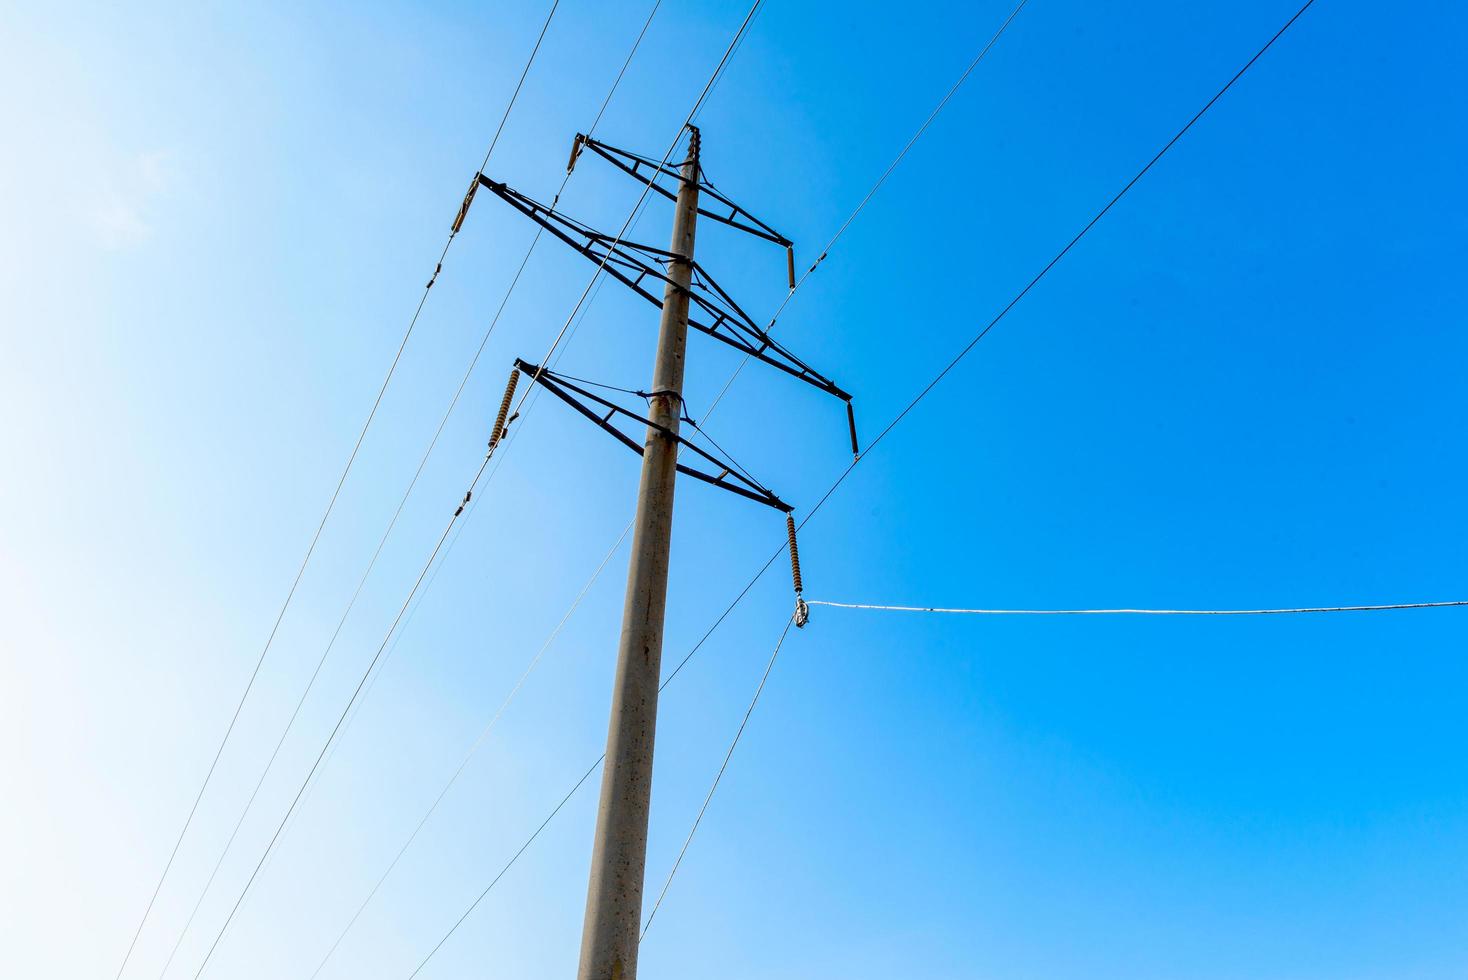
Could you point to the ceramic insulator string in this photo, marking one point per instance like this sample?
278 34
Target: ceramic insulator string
498 431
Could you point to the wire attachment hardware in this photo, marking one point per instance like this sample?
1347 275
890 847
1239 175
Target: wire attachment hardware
500 420
802 611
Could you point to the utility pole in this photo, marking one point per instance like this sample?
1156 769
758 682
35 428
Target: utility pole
612 928
610 934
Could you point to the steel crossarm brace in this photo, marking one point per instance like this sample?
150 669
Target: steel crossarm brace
632 264
728 477
633 164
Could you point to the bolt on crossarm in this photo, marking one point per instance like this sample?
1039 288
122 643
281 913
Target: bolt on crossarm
619 850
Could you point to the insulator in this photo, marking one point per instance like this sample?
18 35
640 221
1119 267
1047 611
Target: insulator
498 431
790 264
694 141
851 423
794 554
576 145
464 208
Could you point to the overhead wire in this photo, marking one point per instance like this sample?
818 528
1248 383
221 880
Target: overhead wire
723 766
748 586
454 401
320 527
1137 612
464 763
872 192
962 353
402 502
555 344
269 847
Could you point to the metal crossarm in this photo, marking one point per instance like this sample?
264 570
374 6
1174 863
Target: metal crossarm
649 170
728 476
634 264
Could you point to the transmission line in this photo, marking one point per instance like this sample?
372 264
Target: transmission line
474 485
745 590
1137 612
951 364
861 206
555 344
320 527
422 463
463 764
342 717
759 689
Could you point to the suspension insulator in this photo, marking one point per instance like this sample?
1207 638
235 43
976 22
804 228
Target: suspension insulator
851 424
790 264
464 208
794 554
499 420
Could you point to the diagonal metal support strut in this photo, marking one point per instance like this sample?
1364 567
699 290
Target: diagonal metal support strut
649 170
728 476
634 265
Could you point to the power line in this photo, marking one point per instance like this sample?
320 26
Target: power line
947 368
745 590
714 405
508 865
422 463
509 437
320 527
902 155
1137 612
703 95
463 764
759 689
342 717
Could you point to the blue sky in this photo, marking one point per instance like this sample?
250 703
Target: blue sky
1242 389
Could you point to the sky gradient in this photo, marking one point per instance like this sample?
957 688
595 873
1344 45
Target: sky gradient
1243 388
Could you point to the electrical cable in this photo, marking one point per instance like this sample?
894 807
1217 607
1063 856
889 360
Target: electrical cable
463 764
733 44
342 717
316 536
902 154
1137 612
392 523
759 689
739 597
418 473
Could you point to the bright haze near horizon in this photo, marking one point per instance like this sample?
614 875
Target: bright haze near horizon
1243 388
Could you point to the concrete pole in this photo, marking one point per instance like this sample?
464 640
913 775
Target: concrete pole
619 851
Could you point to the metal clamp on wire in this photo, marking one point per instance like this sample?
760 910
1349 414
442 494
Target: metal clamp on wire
802 611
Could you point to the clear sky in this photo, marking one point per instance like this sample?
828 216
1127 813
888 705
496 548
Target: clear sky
1244 388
